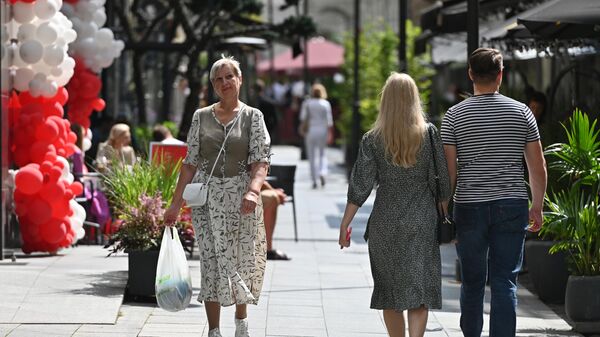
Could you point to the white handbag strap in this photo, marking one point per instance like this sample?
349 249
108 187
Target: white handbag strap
224 141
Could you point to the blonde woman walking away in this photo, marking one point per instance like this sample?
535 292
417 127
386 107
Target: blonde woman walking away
396 157
317 129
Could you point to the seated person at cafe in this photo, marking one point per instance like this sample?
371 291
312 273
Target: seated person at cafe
272 198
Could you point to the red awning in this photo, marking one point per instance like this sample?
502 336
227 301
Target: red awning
323 57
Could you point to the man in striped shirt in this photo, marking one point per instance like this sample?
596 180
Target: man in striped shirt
485 138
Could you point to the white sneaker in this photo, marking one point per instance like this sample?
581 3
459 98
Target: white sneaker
241 327
214 333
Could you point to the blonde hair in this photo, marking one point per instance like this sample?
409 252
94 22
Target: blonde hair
401 121
319 91
225 60
117 131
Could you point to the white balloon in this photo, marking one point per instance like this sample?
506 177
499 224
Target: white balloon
87 47
69 35
26 31
22 78
87 29
54 55
66 167
45 9
80 233
87 144
31 51
68 10
50 89
70 178
88 134
23 12
100 17
41 68
78 210
56 71
104 37
36 86
47 33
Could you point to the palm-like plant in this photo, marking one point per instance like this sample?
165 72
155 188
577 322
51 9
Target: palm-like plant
573 218
579 158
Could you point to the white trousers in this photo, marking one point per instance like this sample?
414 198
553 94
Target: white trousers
316 142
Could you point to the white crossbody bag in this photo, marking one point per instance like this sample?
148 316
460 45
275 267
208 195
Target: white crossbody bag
196 194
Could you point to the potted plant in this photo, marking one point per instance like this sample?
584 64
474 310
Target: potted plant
139 196
574 217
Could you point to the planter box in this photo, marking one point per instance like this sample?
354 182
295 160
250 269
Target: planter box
548 272
582 300
142 274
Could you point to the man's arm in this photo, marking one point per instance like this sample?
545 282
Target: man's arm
450 152
536 165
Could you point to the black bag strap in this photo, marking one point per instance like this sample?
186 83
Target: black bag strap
436 177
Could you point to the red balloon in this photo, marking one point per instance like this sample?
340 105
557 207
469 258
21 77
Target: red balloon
38 151
29 180
47 131
53 231
39 211
99 104
60 209
53 192
55 173
21 158
62 95
76 188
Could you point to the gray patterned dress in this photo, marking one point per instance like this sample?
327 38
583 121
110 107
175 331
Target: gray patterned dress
401 232
232 246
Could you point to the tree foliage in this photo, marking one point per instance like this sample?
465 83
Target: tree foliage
378 58
152 25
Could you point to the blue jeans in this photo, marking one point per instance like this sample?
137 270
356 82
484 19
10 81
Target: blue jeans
490 241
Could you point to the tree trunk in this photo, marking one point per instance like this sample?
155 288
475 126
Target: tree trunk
139 87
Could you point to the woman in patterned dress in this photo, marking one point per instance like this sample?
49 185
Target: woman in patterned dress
396 155
229 227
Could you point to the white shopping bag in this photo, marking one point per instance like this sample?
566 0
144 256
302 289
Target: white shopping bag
173 281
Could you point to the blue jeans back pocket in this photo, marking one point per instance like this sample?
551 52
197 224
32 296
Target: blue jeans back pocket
510 216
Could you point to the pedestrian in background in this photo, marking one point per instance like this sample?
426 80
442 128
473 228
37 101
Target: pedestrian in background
229 227
396 156
116 149
485 138
316 126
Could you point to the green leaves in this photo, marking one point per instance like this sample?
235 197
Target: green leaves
579 158
378 58
573 218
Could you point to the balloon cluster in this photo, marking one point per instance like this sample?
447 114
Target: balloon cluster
34 47
94 49
41 128
84 89
96 46
49 218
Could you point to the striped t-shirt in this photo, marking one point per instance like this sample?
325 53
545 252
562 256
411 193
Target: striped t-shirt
490 132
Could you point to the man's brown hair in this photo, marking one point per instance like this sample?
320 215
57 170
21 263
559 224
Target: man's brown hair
485 64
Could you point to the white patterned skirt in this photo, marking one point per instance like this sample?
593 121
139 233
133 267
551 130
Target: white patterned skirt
232 246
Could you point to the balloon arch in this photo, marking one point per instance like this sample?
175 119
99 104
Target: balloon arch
52 53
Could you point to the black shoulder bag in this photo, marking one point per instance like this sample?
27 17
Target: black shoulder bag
445 225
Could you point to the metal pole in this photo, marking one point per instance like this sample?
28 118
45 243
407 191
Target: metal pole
354 141
472 26
305 56
402 16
